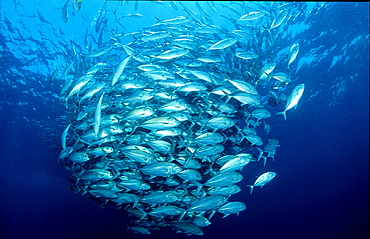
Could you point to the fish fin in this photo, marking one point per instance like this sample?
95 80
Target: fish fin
199 187
282 113
171 158
251 186
260 154
228 97
211 215
135 203
182 215
84 190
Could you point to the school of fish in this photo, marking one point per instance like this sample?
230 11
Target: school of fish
163 120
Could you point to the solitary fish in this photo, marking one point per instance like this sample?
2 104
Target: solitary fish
262 180
293 99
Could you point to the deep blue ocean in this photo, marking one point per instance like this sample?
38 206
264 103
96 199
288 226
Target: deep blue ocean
322 185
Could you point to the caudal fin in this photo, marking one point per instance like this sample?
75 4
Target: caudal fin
182 215
251 186
260 153
282 113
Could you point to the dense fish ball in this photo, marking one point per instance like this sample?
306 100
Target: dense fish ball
164 120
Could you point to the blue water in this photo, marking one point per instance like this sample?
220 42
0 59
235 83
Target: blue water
321 187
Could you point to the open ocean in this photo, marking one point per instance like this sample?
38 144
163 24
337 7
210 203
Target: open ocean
321 189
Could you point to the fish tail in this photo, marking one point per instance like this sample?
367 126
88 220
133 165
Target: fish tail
182 215
135 203
251 186
211 215
264 161
199 187
228 97
260 154
282 113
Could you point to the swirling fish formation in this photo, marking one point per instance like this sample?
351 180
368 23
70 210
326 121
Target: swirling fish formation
165 132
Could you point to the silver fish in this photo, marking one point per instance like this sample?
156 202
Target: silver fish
220 45
293 99
231 208
262 180
64 137
120 69
293 52
97 115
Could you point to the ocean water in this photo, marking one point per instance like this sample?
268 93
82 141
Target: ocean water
321 187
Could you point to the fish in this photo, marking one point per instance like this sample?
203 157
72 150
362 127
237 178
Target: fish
76 5
226 190
237 163
65 12
67 69
247 55
93 175
100 51
134 184
155 36
160 197
80 83
278 20
140 230
139 156
231 208
201 221
270 149
79 157
262 180
164 211
173 4
189 175
223 179
166 116
208 203
293 52
187 227
97 115
92 91
160 123
261 113
53 76
103 192
243 86
138 114
64 137
163 169
120 69
252 16
171 54
220 45
293 99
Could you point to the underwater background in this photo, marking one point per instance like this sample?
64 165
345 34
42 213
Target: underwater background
321 187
